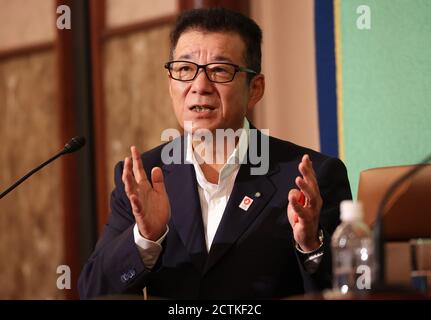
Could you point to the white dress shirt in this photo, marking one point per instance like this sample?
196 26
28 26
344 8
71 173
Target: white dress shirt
214 197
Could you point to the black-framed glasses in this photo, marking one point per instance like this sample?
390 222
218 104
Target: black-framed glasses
219 72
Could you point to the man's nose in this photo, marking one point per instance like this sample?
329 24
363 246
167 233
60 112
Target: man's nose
201 84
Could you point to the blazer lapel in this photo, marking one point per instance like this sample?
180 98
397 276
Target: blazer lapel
186 216
236 220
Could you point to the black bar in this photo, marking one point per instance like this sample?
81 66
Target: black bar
82 101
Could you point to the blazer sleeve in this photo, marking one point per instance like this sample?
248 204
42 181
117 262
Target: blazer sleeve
334 187
115 267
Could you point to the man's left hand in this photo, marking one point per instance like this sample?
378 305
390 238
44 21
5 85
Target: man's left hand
304 218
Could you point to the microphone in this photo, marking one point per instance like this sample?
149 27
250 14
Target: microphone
379 237
73 145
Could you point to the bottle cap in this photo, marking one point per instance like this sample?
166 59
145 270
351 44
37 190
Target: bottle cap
351 210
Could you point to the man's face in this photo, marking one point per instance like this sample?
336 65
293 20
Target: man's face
226 104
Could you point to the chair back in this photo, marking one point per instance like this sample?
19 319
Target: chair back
408 212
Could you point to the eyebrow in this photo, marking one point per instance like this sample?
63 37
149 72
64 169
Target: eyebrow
216 58
184 56
222 58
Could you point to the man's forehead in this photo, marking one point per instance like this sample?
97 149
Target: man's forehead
220 46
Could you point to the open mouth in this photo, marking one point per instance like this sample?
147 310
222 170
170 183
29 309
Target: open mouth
201 108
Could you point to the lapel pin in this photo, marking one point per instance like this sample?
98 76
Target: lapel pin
257 194
246 203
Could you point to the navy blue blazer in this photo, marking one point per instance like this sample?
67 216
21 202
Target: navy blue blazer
252 254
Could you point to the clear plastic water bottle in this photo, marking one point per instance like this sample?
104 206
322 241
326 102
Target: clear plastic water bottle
352 251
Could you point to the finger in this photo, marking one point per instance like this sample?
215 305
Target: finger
157 180
302 199
124 174
292 216
296 208
136 204
309 184
306 169
308 189
294 195
295 218
138 168
310 175
309 164
128 180
312 193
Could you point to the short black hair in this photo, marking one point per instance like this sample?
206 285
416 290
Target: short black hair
218 19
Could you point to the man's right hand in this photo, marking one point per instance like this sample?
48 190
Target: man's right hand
150 204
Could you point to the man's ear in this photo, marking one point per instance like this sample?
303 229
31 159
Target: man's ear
257 89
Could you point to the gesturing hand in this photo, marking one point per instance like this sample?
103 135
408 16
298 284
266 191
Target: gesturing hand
304 218
150 204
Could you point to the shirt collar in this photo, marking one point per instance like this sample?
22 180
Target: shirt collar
233 162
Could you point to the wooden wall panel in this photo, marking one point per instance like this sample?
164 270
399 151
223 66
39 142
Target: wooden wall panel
126 12
138 106
31 243
26 22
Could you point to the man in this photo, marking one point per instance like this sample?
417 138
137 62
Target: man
209 229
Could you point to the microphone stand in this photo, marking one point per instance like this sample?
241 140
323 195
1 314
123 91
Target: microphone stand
16 184
73 145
